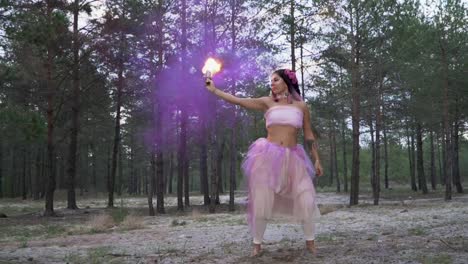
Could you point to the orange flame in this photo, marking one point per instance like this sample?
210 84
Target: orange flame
211 66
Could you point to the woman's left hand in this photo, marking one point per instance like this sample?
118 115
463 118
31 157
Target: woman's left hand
318 168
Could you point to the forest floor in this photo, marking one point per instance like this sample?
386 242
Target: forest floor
406 227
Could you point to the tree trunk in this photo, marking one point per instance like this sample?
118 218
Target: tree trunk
94 169
204 173
345 163
120 172
378 128
214 173
159 166
171 173
384 129
150 182
1 167
233 142
371 127
233 163
180 165
446 120
24 193
332 162
49 201
356 100
335 160
455 149
442 160
433 168
292 34
120 84
74 130
37 176
420 162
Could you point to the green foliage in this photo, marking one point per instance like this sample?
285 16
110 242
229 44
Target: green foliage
119 214
22 124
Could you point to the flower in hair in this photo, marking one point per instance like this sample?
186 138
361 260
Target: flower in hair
291 75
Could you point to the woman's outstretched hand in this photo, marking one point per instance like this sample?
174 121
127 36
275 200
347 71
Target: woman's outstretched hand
209 84
318 168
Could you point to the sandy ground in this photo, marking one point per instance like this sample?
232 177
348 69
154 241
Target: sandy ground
402 229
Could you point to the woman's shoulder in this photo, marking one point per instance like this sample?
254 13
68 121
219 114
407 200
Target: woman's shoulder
303 105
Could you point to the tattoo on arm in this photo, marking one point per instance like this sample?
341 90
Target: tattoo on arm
313 144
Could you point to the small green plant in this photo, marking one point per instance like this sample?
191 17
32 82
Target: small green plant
176 222
98 255
119 214
54 230
417 231
23 242
438 259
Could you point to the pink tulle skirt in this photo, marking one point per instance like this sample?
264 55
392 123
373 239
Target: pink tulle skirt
279 182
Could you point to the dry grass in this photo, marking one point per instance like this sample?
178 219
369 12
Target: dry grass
101 223
132 222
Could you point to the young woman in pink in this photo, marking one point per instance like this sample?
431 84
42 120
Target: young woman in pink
279 171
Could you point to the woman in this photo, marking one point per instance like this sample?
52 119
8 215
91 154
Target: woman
279 171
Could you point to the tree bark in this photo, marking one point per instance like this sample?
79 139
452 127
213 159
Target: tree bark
180 167
384 129
420 162
356 99
292 34
371 128
50 189
150 183
455 144
74 130
446 120
204 173
378 128
214 174
345 164
115 152
1 167
335 160
433 168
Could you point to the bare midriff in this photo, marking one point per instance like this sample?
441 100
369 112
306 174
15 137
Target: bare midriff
284 135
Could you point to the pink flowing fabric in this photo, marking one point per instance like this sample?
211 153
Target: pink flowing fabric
288 172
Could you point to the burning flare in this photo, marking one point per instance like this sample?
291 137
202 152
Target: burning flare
211 67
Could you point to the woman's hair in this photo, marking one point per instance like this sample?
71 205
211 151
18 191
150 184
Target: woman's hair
290 79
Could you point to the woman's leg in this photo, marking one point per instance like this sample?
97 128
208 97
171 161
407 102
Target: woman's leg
305 204
262 209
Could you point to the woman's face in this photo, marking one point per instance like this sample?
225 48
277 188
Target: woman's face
278 85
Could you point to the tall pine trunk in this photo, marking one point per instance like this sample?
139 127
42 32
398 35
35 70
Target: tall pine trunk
455 149
72 155
446 120
384 130
150 182
292 35
433 167
50 189
356 99
204 172
345 163
420 161
1 166
115 151
214 173
335 160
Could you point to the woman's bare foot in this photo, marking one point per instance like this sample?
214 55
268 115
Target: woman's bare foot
256 250
310 244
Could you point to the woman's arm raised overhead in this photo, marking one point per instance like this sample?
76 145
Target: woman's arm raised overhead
249 103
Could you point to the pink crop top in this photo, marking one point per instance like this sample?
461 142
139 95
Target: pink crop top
284 115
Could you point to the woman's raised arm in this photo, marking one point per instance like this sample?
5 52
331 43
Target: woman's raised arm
249 103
